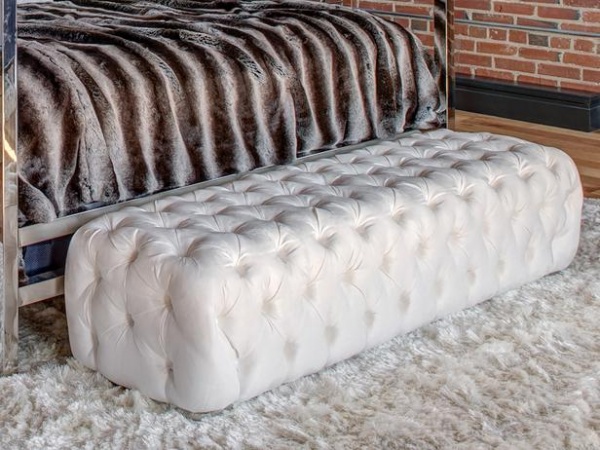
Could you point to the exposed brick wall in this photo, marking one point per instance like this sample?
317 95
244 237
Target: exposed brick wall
422 28
533 55
544 53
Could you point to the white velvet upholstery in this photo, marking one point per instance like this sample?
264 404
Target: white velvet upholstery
216 296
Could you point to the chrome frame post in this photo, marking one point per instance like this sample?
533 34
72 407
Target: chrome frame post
443 23
9 300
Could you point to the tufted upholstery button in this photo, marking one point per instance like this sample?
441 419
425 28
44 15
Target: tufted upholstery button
363 231
399 216
242 269
134 255
168 303
496 183
284 255
278 273
466 195
269 307
525 175
324 240
434 203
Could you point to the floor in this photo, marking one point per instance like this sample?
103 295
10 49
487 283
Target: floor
583 147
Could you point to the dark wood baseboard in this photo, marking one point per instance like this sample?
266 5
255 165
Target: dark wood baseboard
575 110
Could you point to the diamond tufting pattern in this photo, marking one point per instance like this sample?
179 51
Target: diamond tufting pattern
212 297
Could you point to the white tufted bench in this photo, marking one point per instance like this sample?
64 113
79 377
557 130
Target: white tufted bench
216 296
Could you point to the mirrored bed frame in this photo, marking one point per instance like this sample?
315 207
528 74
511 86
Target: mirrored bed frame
14 238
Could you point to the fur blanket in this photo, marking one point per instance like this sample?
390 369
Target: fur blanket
119 99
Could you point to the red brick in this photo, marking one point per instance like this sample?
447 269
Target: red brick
538 54
524 21
583 3
558 13
580 86
592 61
471 59
426 39
583 45
493 48
516 65
560 42
417 10
418 25
513 51
559 71
461 29
378 6
494 18
464 70
540 81
579 27
539 40
591 75
405 22
496 74
591 16
478 32
514 8
484 5
465 45
498 34
517 36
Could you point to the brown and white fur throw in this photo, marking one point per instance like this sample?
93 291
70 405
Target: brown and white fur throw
118 99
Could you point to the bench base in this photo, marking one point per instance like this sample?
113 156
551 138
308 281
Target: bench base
216 296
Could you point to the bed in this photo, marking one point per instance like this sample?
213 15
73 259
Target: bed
119 101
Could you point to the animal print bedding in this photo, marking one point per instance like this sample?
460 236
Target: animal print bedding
118 99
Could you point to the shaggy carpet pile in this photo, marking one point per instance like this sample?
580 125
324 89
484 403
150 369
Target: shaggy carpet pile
520 371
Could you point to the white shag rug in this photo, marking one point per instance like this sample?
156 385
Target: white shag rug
520 371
